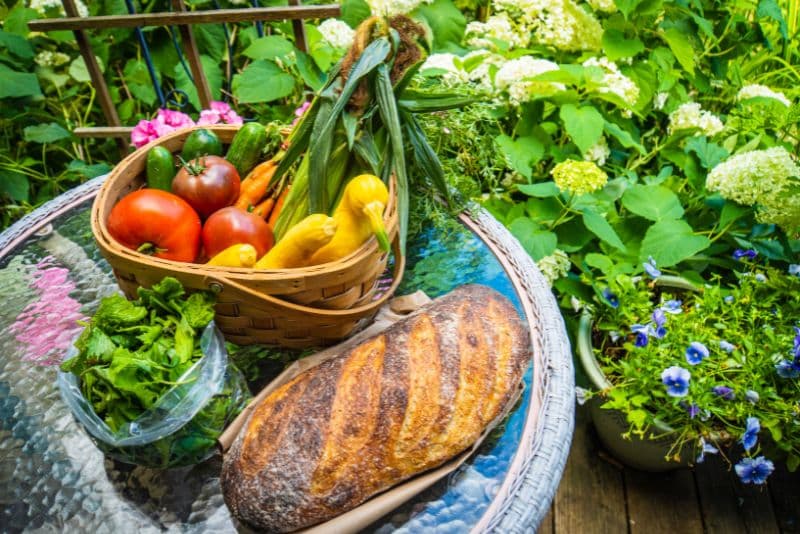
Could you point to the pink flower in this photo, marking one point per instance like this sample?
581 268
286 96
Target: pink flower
299 112
220 112
166 121
47 326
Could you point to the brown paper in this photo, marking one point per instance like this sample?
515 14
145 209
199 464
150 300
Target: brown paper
378 506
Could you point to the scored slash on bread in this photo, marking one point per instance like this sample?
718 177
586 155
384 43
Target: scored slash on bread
401 402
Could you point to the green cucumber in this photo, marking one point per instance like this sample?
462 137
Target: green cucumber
160 168
246 148
201 142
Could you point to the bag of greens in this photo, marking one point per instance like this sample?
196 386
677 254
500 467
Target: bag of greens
146 386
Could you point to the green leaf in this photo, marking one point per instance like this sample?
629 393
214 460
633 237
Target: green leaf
46 133
584 125
681 47
617 46
671 241
79 72
521 153
18 84
623 136
137 78
14 185
210 40
16 21
627 6
262 81
709 154
269 47
601 262
654 202
311 74
541 190
732 211
16 45
213 73
446 22
770 9
354 12
597 224
536 242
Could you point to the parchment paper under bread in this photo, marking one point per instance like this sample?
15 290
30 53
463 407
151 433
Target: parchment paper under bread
378 506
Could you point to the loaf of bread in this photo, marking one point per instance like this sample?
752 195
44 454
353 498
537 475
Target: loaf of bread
401 402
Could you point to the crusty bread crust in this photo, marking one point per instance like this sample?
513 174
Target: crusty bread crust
401 402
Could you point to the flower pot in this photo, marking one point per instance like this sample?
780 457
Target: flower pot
649 453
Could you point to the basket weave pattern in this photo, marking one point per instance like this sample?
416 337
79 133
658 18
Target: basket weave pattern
296 308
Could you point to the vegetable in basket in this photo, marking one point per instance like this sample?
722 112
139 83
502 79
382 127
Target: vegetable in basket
158 223
246 147
300 243
160 169
137 366
201 142
240 255
208 183
232 226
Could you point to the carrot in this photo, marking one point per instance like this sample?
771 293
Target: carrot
254 186
276 211
264 207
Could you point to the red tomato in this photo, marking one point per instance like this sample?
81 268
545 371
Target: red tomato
158 223
207 183
232 226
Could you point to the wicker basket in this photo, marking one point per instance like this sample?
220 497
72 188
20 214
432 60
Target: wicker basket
296 308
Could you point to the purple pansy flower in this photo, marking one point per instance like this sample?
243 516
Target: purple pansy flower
611 298
672 306
650 267
754 470
692 409
750 436
724 391
676 379
696 352
642 334
705 448
749 253
659 319
727 347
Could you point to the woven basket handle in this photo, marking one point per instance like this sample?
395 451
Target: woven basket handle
355 313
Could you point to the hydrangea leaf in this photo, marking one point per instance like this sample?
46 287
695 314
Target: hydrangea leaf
624 137
249 86
269 47
521 153
18 84
653 202
15 185
671 241
536 242
681 47
600 227
770 9
617 46
709 154
540 190
584 125
446 21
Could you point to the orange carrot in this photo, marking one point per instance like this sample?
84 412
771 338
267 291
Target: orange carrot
254 186
264 207
276 211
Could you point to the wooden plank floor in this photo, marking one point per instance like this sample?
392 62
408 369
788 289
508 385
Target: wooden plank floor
598 495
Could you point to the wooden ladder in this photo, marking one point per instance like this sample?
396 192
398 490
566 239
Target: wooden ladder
184 20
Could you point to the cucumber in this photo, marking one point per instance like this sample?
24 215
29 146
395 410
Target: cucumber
160 168
201 142
245 150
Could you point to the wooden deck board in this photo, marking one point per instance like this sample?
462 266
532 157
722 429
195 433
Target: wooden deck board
597 497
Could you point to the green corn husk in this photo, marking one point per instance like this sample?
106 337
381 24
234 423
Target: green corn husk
362 120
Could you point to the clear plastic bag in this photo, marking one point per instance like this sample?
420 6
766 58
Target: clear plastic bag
184 424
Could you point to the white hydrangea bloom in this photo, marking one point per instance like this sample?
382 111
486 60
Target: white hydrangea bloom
614 81
606 6
388 8
514 77
692 116
43 6
761 177
480 72
337 33
554 266
450 63
47 58
566 26
598 152
497 27
756 90
660 100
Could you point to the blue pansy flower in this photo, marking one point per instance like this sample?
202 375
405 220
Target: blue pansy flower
796 339
760 278
611 298
705 448
751 396
676 379
794 269
749 253
754 470
727 347
642 334
672 306
787 369
724 391
728 299
650 267
696 352
750 436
